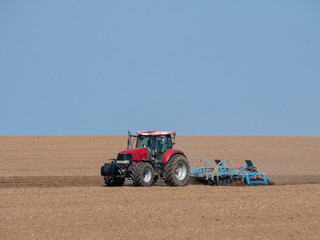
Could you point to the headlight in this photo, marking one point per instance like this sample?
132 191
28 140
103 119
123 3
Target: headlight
123 161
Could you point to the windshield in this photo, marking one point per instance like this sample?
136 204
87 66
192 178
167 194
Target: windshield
145 141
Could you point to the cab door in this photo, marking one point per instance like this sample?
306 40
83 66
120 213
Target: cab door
163 143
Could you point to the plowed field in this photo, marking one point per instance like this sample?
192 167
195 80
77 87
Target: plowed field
50 188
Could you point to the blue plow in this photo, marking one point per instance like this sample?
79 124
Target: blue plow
225 172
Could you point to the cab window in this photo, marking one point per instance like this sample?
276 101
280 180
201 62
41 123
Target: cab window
163 143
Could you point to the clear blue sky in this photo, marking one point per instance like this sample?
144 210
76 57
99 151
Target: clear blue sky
195 67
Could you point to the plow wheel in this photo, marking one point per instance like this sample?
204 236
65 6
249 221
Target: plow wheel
177 171
143 174
112 182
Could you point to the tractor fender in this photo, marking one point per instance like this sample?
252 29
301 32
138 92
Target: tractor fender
169 154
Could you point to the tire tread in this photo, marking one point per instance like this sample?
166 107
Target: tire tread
170 178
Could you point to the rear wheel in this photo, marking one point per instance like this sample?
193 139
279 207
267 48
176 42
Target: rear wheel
112 182
143 174
177 171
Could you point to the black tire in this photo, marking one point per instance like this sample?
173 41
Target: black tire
177 171
143 174
113 182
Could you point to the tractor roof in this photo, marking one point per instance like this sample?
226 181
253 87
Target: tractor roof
154 133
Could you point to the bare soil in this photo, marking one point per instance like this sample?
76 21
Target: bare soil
50 188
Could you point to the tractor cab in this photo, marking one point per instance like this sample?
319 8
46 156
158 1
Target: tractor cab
157 143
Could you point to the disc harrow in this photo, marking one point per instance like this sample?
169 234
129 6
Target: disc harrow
225 172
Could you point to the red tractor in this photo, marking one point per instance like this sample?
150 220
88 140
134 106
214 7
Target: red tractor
151 159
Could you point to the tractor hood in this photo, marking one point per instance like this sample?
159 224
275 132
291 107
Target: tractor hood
137 153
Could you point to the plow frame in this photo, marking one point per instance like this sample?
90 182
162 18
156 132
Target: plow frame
224 172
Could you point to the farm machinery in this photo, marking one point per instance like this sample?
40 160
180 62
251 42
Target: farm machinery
152 158
225 172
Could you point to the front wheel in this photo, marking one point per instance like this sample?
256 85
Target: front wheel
143 174
177 171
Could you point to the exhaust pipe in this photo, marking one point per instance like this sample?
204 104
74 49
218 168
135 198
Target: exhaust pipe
129 140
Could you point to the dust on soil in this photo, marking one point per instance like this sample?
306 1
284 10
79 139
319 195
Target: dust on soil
50 188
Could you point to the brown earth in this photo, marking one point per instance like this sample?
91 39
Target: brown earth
50 188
